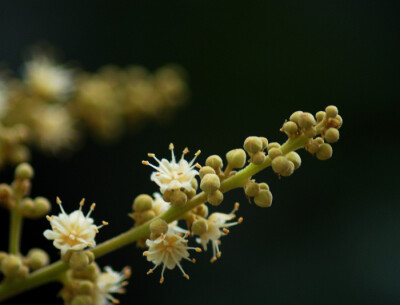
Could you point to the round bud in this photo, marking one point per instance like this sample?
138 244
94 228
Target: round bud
27 207
82 300
331 111
319 140
24 171
258 158
252 189
190 193
320 116
201 210
253 144
178 198
37 258
263 186
310 132
325 152
273 145
11 265
295 116
5 192
206 170
306 120
89 273
289 170
290 128
194 184
274 152
313 147
23 272
147 215
41 206
295 158
210 183
142 203
200 227
236 158
85 287
78 261
90 256
215 162
340 121
280 165
158 227
331 135
263 199
264 141
215 198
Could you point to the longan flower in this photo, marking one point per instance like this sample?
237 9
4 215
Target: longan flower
73 231
109 282
216 228
172 175
168 250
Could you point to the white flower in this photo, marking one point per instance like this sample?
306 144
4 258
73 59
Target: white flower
217 227
73 231
172 175
109 282
160 207
168 250
48 79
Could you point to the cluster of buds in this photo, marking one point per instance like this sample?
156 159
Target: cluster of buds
13 147
255 147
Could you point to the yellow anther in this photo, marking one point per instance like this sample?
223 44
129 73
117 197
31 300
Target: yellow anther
198 250
92 206
171 146
161 280
185 151
186 276
105 223
151 155
145 162
240 220
149 272
82 202
58 200
197 153
198 165
145 253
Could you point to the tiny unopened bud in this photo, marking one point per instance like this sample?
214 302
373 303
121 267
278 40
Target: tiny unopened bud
202 210
295 158
85 287
158 227
295 116
90 272
339 121
178 198
82 300
319 140
11 265
264 141
313 147
306 120
23 272
37 258
273 145
252 189
215 162
206 170
253 144
24 171
215 198
41 207
263 199
289 170
5 192
331 135
290 128
78 261
258 158
27 207
263 186
325 152
194 184
280 165
331 111
90 256
200 227
236 158
142 203
147 215
310 132
320 116
210 183
274 152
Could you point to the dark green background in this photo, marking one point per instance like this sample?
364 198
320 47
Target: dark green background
332 233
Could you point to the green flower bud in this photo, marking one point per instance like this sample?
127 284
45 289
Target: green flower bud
11 265
37 258
289 170
263 199
89 273
215 162
331 111
22 273
206 170
147 215
320 116
264 141
258 158
253 145
273 145
82 300
90 256
252 189
201 210
215 198
24 171
325 152
290 128
41 207
194 184
331 135
339 121
142 203
306 120
5 192
280 165
178 198
78 261
27 207
294 158
310 132
210 183
158 227
21 187
295 116
319 140
313 147
190 193
263 186
85 287
200 227
274 152
236 158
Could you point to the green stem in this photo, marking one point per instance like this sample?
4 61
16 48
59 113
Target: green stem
55 270
15 230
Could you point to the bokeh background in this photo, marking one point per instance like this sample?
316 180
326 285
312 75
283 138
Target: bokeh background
332 233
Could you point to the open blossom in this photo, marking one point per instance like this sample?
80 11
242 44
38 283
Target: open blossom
217 227
73 231
109 282
48 79
173 175
168 250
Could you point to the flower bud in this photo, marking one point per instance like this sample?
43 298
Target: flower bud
78 261
264 141
142 203
201 210
200 227
263 199
178 198
280 165
273 145
331 111
19 154
158 227
37 258
215 198
23 272
253 145
325 152
252 189
290 128
90 256
310 132
306 120
210 183
313 147
11 265
21 187
289 170
319 140
331 135
295 116
263 186
27 207
236 158
85 287
41 207
89 273
206 170
274 152
24 171
295 158
82 300
194 184
258 158
320 116
147 215
5 192
215 162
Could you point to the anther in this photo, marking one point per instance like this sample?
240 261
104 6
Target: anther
145 253
48 217
105 223
240 220
144 162
161 280
185 151
198 165
151 155
58 200
186 276
171 146
197 153
92 206
149 272
226 231
198 250
82 202
213 259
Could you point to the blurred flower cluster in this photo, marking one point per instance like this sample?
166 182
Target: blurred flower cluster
53 106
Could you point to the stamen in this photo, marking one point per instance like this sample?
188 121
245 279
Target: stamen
151 155
213 260
59 203
48 217
145 253
197 165
226 231
144 162
81 203
186 276
105 223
